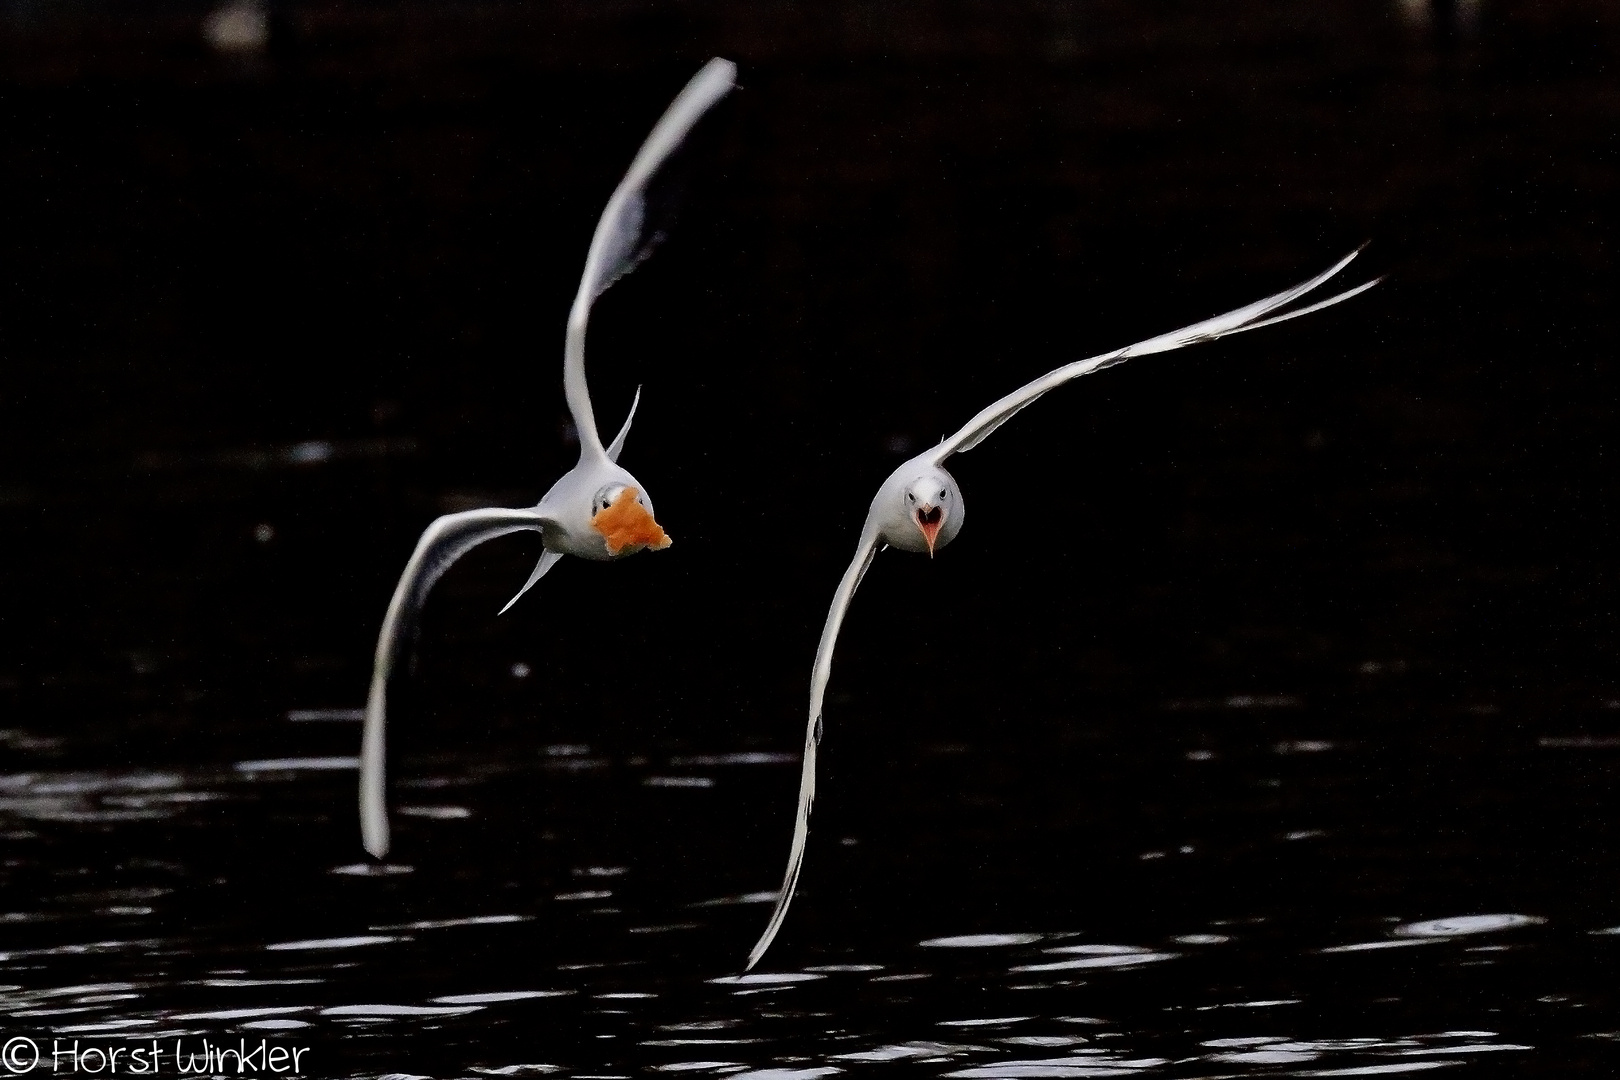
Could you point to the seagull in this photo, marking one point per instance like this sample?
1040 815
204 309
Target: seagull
597 510
919 508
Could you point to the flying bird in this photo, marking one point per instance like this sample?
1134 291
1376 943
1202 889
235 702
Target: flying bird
597 510
919 508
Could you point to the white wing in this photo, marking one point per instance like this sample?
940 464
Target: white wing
548 559
445 541
812 734
1248 317
621 239
617 445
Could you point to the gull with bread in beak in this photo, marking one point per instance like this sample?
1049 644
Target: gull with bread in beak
597 510
919 508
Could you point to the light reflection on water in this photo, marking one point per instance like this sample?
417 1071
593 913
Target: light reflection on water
634 1013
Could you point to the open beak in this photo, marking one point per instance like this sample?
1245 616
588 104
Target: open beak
929 520
626 526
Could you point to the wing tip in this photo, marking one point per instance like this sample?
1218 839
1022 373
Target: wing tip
713 81
720 63
373 818
719 71
373 823
373 801
763 945
1347 260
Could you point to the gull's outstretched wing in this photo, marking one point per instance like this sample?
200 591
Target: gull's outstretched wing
812 734
1249 317
445 541
548 559
617 445
622 239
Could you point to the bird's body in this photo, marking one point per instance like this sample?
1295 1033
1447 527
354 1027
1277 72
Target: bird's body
597 510
580 508
920 508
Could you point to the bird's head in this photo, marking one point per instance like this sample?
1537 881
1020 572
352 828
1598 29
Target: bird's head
624 517
926 510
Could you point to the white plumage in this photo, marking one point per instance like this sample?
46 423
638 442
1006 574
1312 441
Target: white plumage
597 510
919 508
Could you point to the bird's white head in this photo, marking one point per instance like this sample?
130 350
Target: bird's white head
921 508
623 514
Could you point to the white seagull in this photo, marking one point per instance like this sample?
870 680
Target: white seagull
919 508
597 510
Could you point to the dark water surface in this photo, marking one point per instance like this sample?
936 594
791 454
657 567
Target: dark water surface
1262 722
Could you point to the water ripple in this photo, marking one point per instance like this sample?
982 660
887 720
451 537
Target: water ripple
1458 925
980 941
391 1011
495 997
316 764
766 978
336 942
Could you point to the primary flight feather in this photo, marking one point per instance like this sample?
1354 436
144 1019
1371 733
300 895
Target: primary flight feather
919 508
597 510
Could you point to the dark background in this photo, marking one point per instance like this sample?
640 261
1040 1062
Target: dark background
264 317
369 238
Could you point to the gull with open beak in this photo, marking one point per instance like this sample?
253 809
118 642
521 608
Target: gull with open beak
919 508
597 510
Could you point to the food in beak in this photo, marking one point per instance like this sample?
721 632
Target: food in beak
628 527
929 519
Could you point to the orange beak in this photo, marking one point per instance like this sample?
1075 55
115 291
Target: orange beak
628 527
929 520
